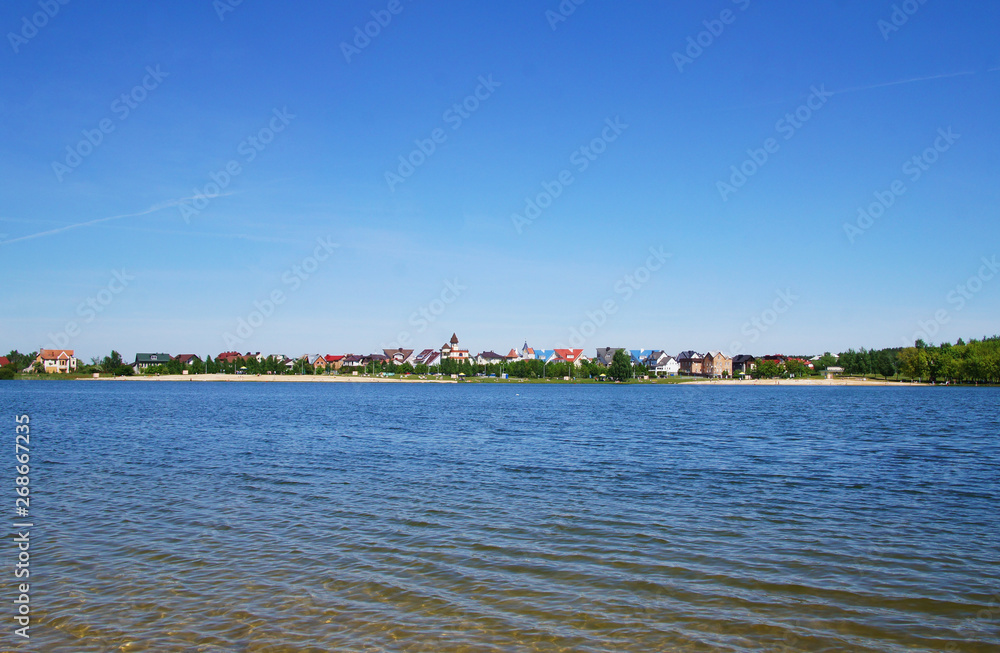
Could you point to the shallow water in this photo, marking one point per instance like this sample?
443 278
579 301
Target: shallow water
357 517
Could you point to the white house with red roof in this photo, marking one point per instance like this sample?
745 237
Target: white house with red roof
574 356
56 361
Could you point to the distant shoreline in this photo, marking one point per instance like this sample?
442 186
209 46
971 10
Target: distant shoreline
810 382
266 378
307 378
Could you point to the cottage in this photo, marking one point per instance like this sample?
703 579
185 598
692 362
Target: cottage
145 361
399 356
573 356
374 359
490 358
353 360
546 355
334 362
56 361
639 355
605 355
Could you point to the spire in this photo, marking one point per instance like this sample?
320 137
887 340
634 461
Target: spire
454 339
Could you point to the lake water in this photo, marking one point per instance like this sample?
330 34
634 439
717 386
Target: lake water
371 517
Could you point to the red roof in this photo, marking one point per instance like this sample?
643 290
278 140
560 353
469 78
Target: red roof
568 355
55 354
4 361
333 359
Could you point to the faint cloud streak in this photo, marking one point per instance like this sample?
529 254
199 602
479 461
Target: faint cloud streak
58 230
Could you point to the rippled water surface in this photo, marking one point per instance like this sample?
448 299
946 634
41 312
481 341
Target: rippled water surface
356 517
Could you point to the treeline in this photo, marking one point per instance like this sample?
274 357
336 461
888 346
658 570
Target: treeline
975 361
525 369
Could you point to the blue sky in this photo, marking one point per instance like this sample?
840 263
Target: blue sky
764 267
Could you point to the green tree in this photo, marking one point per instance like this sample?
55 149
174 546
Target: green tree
886 364
796 368
112 362
825 361
913 362
768 370
21 361
621 366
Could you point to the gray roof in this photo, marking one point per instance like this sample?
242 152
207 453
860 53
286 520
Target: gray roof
606 354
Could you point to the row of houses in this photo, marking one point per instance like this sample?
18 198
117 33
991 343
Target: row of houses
657 362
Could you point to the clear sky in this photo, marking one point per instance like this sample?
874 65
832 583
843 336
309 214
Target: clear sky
626 124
